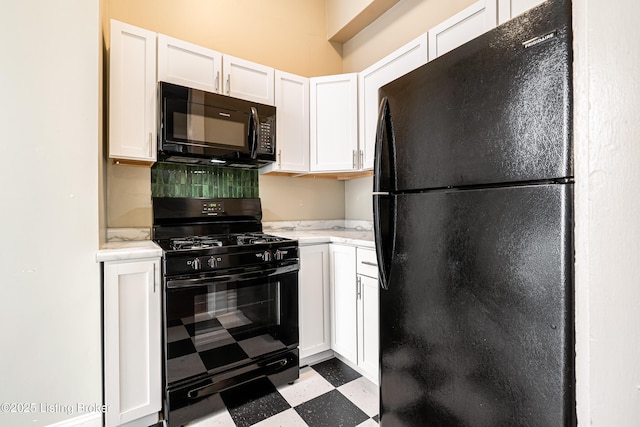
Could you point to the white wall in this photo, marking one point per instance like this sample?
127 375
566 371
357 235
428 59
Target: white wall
50 303
607 155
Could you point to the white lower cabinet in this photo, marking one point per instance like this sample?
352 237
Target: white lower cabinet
343 301
368 324
132 342
354 298
314 303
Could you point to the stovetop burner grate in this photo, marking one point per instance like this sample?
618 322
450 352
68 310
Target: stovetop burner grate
205 242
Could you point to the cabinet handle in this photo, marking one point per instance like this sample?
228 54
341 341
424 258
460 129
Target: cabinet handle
361 159
373 264
154 278
279 159
228 84
354 158
150 144
218 82
359 288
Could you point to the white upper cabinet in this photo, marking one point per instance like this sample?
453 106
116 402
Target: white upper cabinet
466 25
132 93
292 123
407 58
248 80
189 65
508 9
334 123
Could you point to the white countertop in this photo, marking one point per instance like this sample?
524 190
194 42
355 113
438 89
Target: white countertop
133 249
310 237
139 249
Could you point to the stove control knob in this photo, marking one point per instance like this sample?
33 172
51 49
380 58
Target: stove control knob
267 256
280 254
196 264
213 262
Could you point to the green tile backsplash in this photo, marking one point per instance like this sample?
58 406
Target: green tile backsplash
177 180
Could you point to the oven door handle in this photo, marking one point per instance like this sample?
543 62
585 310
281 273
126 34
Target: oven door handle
239 277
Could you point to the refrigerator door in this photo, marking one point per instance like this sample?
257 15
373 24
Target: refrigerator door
476 326
497 109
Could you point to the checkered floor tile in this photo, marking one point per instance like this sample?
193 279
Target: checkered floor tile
327 394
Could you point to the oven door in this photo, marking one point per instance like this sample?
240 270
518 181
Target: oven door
224 322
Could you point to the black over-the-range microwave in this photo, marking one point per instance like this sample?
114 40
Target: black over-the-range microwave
207 128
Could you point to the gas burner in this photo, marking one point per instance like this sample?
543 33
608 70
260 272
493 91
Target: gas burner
195 242
254 238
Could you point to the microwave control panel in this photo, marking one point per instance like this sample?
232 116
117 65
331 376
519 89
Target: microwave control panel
266 137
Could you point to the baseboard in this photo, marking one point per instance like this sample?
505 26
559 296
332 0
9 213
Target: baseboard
86 420
316 358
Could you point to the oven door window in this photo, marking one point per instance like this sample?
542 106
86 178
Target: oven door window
216 326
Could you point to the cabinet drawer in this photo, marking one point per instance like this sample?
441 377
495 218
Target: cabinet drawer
366 262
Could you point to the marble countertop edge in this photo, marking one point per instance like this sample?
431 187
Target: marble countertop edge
129 250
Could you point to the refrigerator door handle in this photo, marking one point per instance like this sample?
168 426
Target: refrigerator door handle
384 167
384 230
384 204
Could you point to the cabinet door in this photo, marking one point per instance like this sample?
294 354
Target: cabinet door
407 58
188 64
334 123
248 80
314 303
292 125
132 348
508 9
468 24
368 338
132 93
343 301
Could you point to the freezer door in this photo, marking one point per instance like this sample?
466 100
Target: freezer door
497 109
476 323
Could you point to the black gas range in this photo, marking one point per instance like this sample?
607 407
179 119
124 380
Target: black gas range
230 302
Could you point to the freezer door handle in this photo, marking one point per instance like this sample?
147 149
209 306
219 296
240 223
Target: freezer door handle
384 228
384 166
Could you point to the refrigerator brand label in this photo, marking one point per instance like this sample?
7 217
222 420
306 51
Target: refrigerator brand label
537 40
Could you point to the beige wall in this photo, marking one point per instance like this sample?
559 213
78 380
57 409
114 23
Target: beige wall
358 199
286 198
289 35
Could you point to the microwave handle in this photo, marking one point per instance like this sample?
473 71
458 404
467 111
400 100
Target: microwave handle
254 122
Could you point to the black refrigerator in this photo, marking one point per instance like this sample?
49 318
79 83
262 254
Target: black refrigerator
473 220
